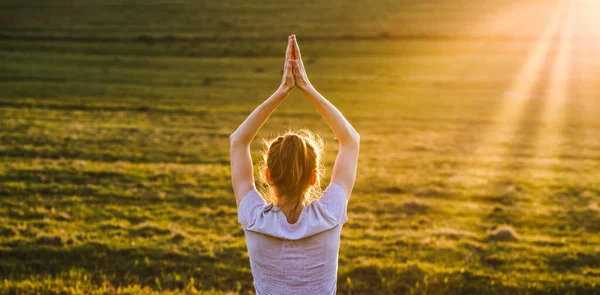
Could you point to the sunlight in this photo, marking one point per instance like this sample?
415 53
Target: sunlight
589 32
553 113
589 17
505 125
530 73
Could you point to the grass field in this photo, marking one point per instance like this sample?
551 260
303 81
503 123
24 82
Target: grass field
479 170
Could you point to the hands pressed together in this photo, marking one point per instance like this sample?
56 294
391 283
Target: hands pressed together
294 74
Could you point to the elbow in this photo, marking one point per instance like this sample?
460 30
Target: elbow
234 140
353 138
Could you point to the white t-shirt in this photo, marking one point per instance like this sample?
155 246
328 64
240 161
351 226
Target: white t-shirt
299 258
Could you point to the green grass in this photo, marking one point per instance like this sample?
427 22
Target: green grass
114 161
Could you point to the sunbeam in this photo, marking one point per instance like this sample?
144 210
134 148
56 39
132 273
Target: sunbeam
505 125
548 141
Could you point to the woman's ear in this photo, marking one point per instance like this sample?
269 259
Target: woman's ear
268 176
313 178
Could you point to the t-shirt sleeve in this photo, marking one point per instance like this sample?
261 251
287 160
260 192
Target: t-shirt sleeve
335 201
249 207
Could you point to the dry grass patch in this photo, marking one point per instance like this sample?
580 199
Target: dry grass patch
503 233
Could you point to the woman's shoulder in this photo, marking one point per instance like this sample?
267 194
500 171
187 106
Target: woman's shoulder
332 192
334 202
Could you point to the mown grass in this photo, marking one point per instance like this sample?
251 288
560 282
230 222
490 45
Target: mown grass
114 173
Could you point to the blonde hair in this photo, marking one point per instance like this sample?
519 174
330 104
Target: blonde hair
292 158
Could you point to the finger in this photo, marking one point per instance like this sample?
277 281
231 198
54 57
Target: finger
289 49
293 52
296 47
291 70
288 67
296 66
298 69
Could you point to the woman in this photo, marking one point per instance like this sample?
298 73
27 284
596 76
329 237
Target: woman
293 241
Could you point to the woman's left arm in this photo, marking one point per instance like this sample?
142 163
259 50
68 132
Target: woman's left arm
242 174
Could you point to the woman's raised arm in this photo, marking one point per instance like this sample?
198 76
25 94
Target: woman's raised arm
242 176
344 169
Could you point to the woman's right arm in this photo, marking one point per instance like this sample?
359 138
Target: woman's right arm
344 169
242 177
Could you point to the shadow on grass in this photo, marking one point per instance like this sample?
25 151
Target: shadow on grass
580 219
573 260
412 279
152 156
20 190
121 267
68 176
102 108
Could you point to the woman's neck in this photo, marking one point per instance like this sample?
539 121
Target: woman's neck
291 214
292 217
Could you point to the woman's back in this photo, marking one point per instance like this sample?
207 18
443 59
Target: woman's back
299 258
